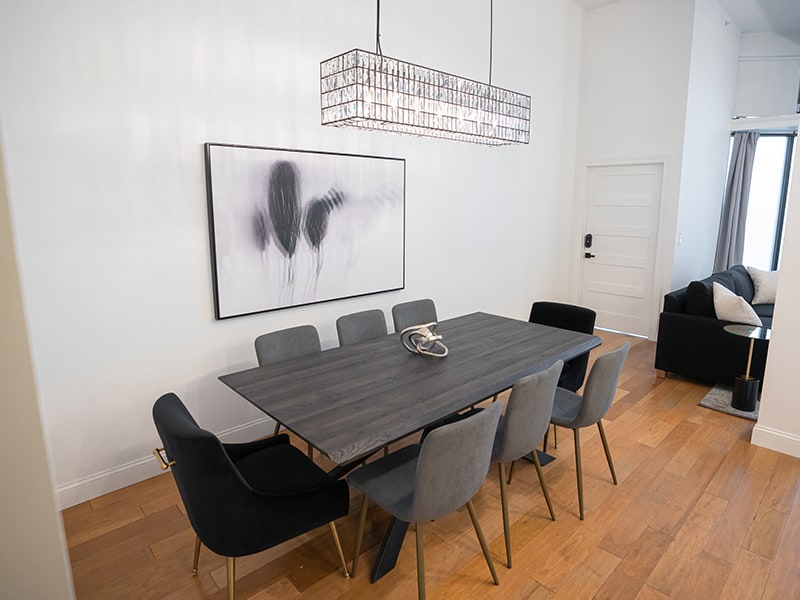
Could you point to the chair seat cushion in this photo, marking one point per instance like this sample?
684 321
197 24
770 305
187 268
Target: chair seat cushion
389 482
566 406
289 470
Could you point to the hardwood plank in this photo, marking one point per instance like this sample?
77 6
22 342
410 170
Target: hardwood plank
671 517
747 578
677 563
630 575
765 532
589 577
784 577
705 578
729 533
648 593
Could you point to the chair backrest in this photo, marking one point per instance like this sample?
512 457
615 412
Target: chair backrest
416 312
209 484
527 414
601 385
453 463
574 318
286 344
360 326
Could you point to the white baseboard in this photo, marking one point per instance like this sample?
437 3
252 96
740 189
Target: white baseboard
780 441
143 468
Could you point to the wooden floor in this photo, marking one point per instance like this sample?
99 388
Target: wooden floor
698 513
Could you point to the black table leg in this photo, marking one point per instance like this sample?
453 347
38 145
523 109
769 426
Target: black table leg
390 548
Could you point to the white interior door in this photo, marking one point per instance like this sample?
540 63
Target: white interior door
622 218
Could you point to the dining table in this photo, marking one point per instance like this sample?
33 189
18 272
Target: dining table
351 401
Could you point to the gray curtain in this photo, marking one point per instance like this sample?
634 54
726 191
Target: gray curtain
730 241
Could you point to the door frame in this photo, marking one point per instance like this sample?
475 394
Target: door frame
665 232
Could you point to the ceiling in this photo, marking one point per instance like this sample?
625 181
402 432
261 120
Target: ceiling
779 16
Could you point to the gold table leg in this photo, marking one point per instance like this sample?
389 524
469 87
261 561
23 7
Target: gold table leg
749 359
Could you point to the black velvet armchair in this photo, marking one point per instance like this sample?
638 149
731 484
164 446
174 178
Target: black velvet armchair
574 318
245 498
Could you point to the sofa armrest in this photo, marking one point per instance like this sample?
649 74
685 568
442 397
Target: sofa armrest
699 347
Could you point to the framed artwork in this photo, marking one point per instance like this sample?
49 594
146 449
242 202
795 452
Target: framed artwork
295 227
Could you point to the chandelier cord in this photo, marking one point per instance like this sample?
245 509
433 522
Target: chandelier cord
491 36
378 49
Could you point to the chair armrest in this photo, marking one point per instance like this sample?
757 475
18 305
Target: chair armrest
299 493
237 452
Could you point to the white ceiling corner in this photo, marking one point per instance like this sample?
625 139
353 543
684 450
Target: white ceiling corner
751 16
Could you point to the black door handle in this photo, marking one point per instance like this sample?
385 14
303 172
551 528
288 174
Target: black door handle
588 255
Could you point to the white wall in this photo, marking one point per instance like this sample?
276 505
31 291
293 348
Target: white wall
769 75
632 107
778 425
33 557
106 107
709 106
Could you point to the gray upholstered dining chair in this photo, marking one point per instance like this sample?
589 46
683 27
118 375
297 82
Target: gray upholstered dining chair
426 481
286 344
415 312
361 326
521 428
574 411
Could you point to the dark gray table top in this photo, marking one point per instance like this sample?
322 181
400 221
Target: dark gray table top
352 400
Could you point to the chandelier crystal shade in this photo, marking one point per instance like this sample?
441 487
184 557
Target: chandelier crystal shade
367 90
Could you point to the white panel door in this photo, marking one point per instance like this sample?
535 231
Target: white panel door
622 218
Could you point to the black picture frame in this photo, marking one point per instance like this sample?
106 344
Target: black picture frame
292 227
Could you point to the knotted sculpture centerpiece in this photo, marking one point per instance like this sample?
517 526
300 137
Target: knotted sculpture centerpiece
423 339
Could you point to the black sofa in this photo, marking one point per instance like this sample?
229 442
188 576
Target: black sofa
691 340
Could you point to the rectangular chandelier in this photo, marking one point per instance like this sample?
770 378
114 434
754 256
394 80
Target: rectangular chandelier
370 91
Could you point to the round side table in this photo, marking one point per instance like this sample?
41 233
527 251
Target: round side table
745 388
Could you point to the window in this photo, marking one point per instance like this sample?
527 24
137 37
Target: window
769 187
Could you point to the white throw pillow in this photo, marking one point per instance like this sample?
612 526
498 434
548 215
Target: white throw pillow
765 284
730 307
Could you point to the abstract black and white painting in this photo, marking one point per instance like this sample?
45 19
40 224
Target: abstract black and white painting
294 227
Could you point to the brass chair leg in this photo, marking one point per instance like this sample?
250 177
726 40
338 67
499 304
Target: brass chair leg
231 577
504 504
538 466
555 437
338 545
196 555
482 541
544 442
362 522
420 564
277 428
607 451
578 471
510 472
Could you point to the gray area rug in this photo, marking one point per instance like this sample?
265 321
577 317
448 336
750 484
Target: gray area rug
719 399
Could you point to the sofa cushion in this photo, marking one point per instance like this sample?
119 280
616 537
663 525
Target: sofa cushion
764 310
730 307
699 299
765 284
742 283
700 294
673 302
